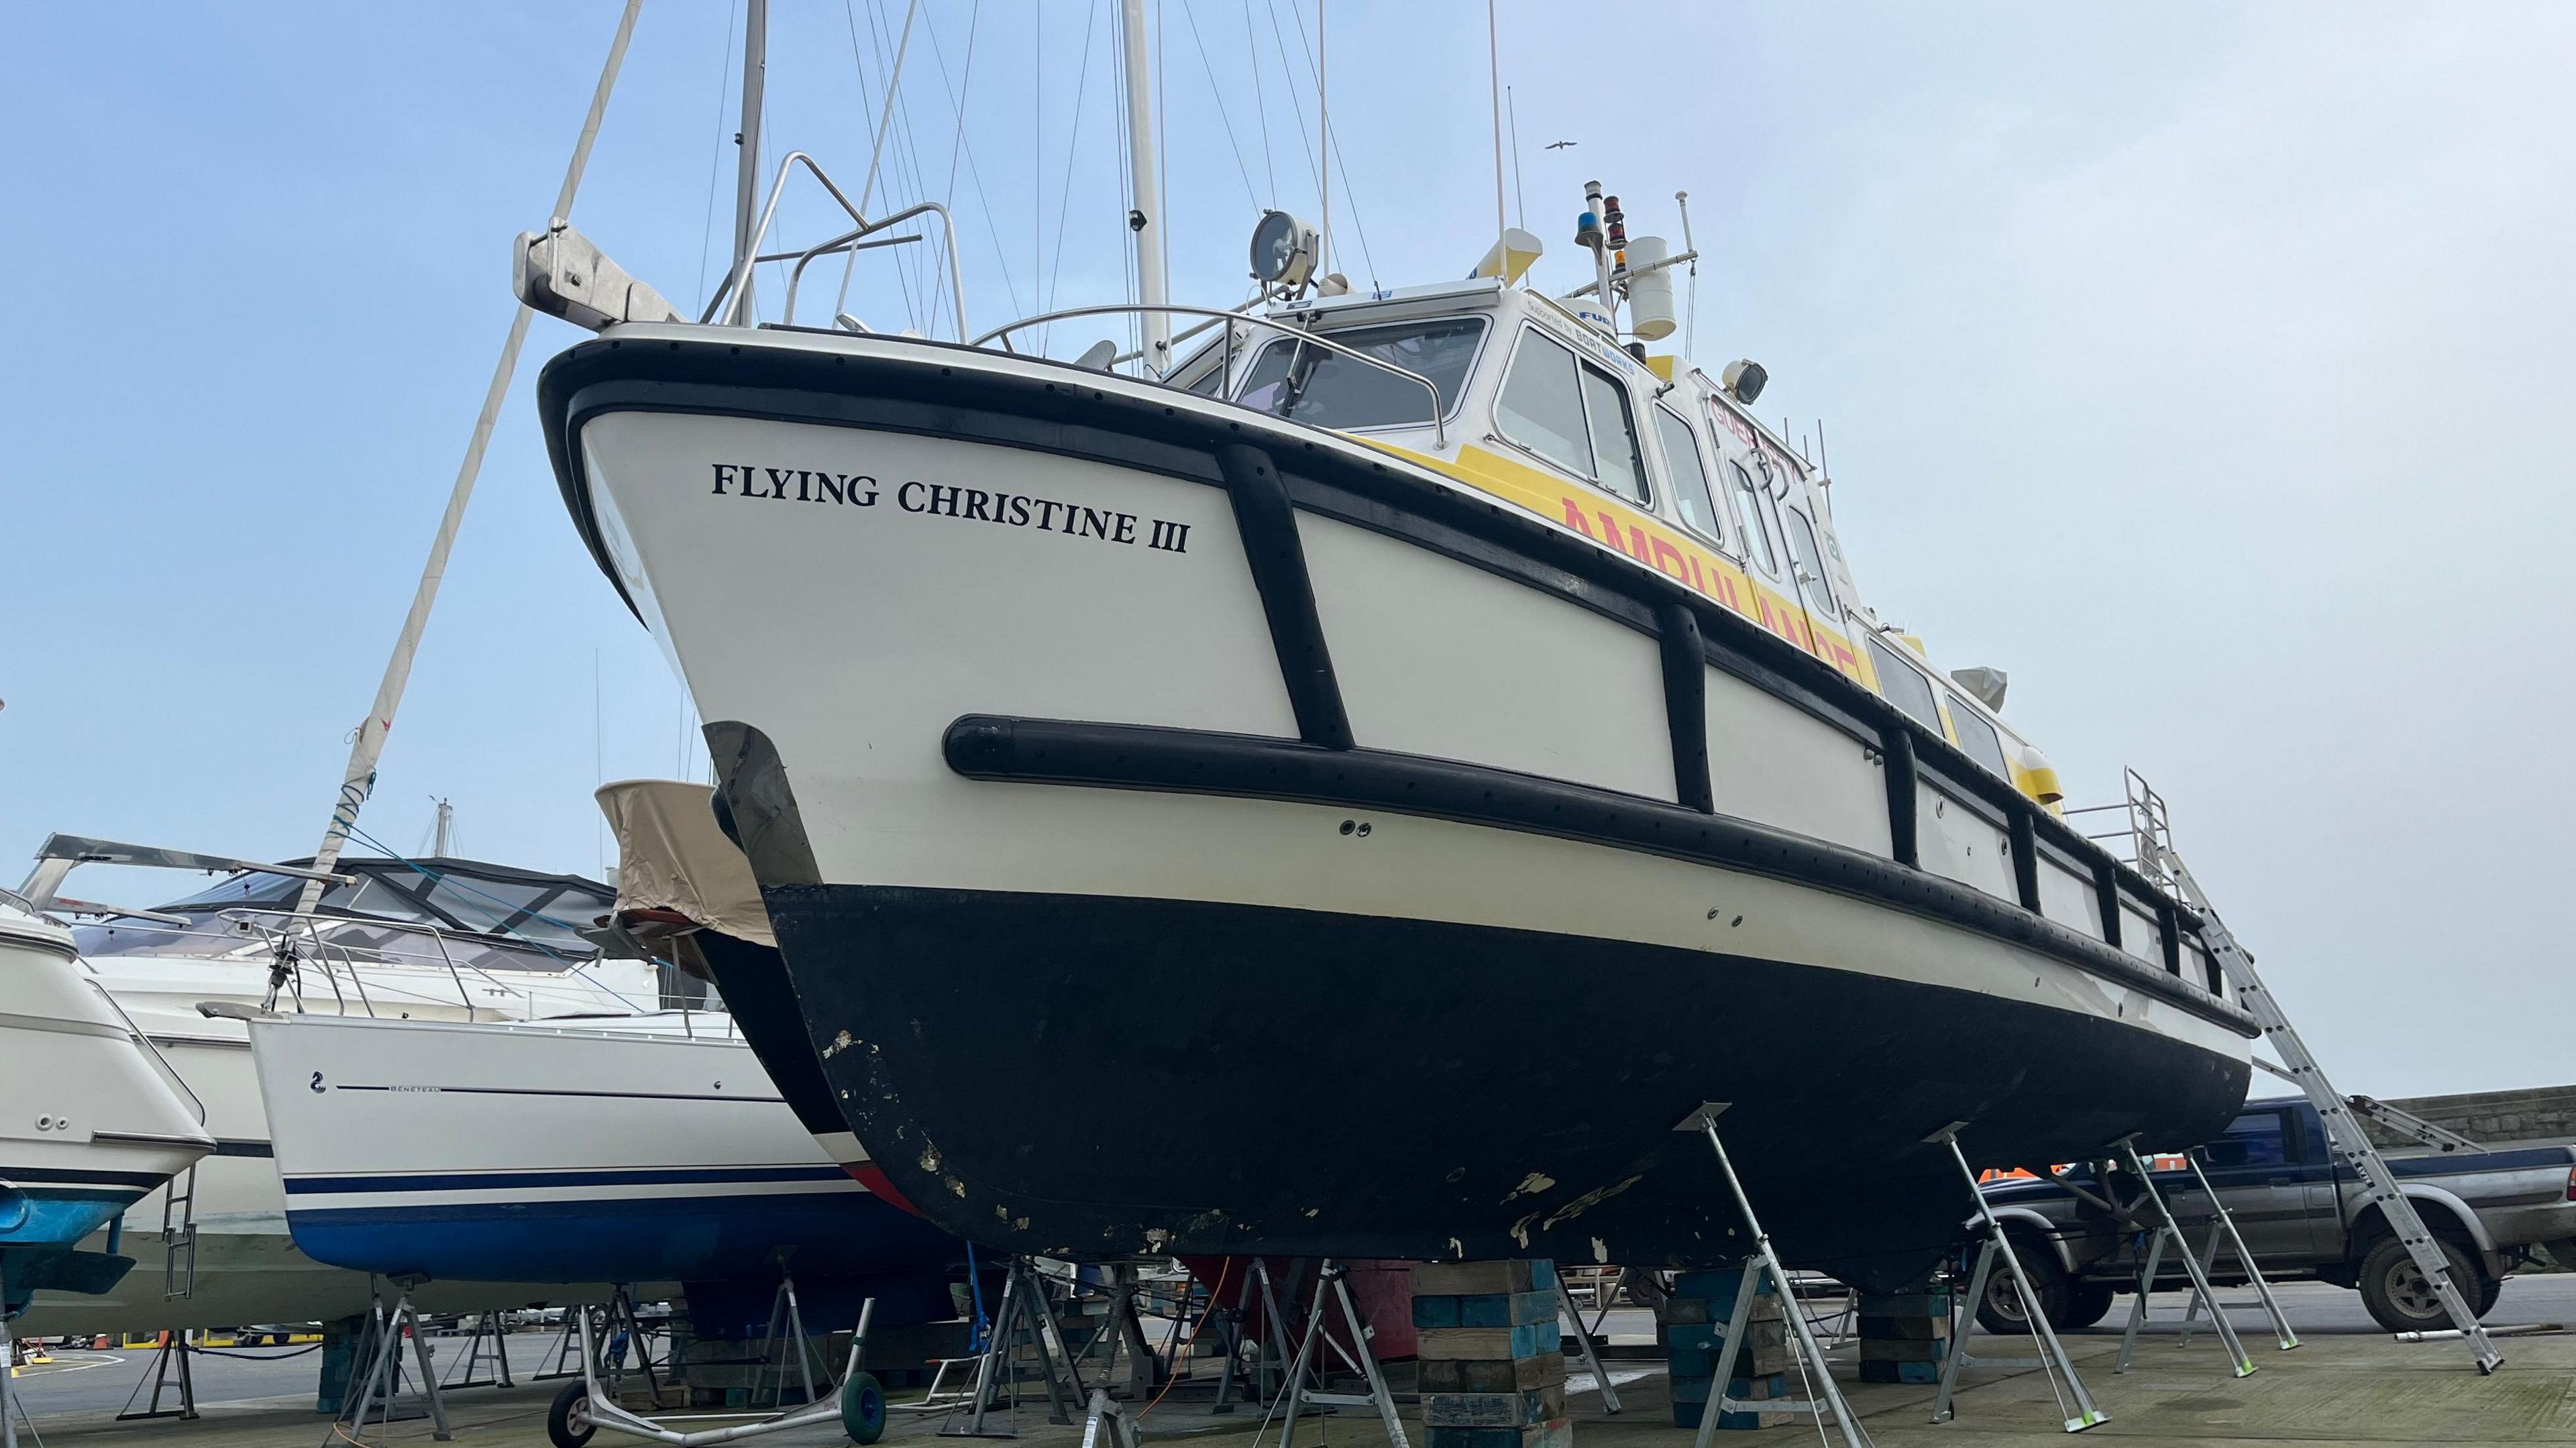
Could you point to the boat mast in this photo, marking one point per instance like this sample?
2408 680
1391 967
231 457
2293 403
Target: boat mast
746 184
369 744
1144 224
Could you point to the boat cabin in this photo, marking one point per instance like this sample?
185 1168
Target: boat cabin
1639 452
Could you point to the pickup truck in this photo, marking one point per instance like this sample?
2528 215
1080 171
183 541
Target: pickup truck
2302 1216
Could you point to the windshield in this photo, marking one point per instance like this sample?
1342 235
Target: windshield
1310 385
546 913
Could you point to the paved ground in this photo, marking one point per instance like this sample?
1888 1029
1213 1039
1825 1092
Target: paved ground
2350 1384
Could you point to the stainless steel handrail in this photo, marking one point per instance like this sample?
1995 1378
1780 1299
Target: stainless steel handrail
741 273
1439 427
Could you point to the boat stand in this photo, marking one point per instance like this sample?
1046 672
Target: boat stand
619 1330
1763 1261
10 1408
2168 1232
1583 1340
1108 1413
1333 1282
484 1343
2052 1359
2223 1230
785 1316
595 1409
1024 1307
382 1386
1269 1348
171 1372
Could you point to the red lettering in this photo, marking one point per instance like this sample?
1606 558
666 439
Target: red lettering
1574 519
1664 550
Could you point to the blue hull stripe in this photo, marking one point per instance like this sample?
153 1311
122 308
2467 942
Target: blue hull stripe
507 1180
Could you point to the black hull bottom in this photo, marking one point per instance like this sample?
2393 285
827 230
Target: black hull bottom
1087 1075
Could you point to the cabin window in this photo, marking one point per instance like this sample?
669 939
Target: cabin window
1690 474
1978 737
1811 565
1751 521
1325 389
1573 414
1904 685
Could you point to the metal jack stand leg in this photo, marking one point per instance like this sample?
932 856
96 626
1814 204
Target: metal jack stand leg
1828 1402
1583 1339
1334 1283
384 1378
1122 1429
175 1352
2052 1360
2167 1231
1024 1302
2223 1230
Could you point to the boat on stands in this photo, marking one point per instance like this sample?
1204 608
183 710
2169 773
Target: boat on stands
1337 730
651 1148
435 940
91 1119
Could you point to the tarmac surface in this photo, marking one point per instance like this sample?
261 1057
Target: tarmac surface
2349 1383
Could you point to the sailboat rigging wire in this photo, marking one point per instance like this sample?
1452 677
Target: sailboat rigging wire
957 141
1218 91
1073 140
958 93
1314 168
359 779
715 163
1261 103
1313 64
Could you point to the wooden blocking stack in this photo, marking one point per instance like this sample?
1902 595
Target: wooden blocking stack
1697 1316
1491 1355
1903 1339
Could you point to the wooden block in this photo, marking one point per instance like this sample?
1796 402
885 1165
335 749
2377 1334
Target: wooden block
1463 1279
1556 1433
1687 1415
1493 1410
1770 1333
1773 1384
1905 1327
1718 1283
1903 1350
1701 1362
1689 1309
1491 1375
1484 1309
1910 1304
1882 1372
1527 1340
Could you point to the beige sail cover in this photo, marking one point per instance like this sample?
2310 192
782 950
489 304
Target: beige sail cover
671 856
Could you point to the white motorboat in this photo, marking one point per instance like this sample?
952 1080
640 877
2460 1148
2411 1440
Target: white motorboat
91 1119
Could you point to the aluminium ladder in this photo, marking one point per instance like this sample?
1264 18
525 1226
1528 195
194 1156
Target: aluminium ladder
2351 1144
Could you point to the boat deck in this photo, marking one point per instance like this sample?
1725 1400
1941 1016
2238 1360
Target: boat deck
2349 1384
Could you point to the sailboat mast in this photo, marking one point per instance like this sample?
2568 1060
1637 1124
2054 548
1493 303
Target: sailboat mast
746 184
1144 221
359 780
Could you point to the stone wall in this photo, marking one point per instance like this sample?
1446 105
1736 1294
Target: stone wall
2490 1118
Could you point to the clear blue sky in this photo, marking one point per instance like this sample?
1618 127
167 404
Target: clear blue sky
2203 367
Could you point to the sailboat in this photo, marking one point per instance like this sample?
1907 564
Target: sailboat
1427 744
428 940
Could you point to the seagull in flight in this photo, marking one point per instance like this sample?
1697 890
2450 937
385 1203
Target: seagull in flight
1559 145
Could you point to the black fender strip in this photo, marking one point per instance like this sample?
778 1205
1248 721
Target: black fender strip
1196 761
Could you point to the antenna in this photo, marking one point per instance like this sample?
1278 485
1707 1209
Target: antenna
1690 339
1324 130
1520 189
1494 75
442 837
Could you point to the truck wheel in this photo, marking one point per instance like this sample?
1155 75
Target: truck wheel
2401 1299
568 1418
2086 1304
2000 1312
